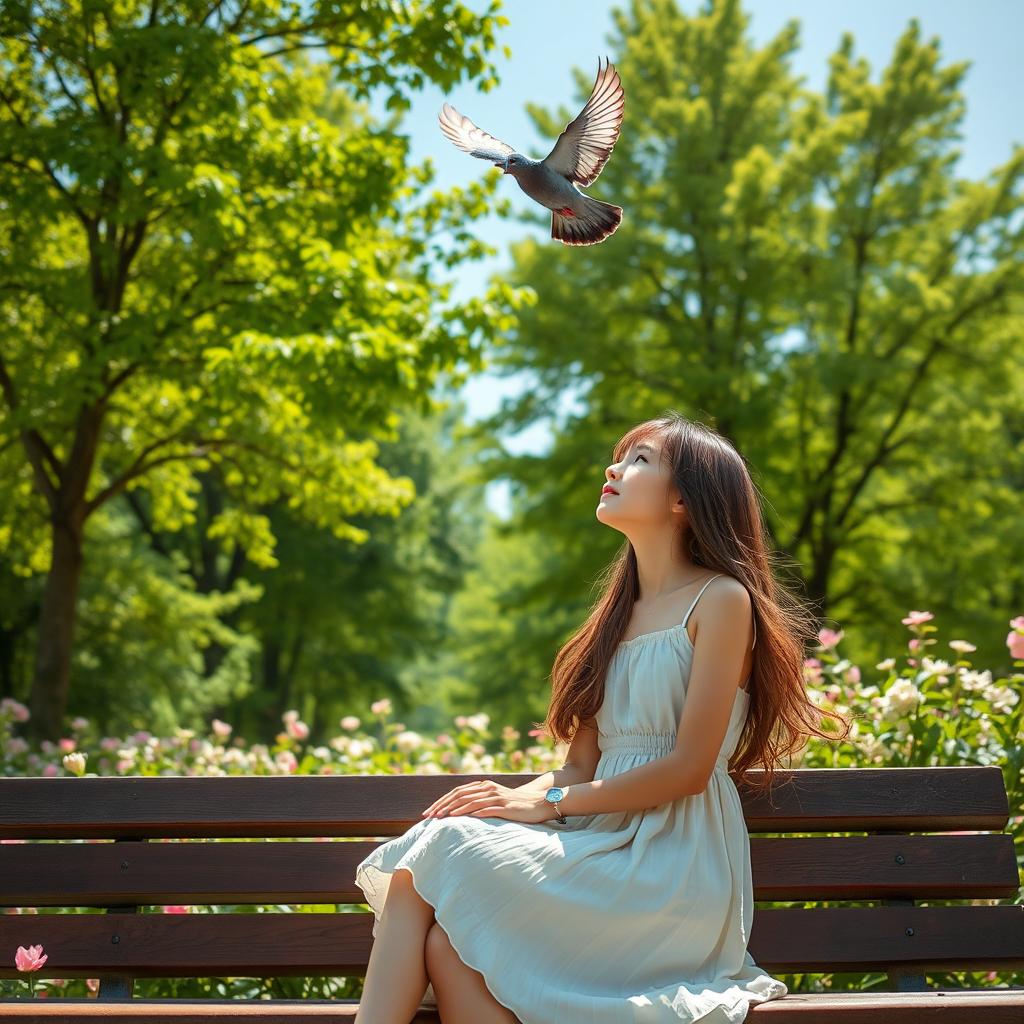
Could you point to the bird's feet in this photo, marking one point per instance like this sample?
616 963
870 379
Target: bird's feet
566 211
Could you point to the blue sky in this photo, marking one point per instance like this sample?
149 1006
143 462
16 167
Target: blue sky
548 38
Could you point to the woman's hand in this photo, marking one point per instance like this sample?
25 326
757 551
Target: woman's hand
487 799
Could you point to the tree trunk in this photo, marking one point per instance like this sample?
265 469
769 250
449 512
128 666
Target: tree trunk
51 687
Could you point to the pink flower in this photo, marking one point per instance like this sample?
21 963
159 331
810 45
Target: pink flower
222 730
812 670
914 644
67 744
17 710
1015 641
828 638
176 908
30 959
297 729
916 618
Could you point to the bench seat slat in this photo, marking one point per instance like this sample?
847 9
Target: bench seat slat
802 800
102 874
992 1006
781 940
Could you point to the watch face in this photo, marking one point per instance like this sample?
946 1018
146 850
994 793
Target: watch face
554 794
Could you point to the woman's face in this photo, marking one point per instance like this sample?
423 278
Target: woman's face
642 486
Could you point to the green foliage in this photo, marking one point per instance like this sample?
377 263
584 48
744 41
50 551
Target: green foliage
807 273
220 279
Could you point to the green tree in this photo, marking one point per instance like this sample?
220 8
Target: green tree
807 273
213 266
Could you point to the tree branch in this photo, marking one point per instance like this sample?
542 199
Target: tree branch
40 454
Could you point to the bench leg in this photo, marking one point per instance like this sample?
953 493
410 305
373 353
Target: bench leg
396 973
462 994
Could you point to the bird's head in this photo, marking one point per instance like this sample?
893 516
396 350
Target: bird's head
511 163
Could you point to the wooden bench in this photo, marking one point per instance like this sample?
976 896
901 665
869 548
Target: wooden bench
885 871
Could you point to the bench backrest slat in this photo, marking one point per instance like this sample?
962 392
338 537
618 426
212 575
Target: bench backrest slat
102 874
282 944
802 800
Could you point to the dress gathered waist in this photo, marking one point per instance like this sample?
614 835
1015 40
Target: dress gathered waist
639 742
655 743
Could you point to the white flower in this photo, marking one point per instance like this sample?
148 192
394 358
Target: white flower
963 646
972 680
884 666
408 741
479 722
871 747
901 697
382 706
429 768
1002 698
75 762
935 666
350 722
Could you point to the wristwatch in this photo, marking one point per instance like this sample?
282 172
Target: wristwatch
553 795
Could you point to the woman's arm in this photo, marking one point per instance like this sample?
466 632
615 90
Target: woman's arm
580 762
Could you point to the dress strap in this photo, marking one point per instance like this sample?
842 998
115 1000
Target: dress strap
697 598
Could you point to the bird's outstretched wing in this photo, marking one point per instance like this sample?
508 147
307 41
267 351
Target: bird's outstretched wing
582 150
475 141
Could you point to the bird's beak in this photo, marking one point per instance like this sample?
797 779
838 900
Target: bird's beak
505 167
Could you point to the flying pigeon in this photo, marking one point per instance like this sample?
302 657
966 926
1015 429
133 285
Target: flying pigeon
579 154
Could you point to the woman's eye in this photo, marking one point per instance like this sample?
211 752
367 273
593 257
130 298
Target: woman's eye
644 457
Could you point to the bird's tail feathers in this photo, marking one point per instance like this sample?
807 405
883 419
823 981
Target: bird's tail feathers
593 222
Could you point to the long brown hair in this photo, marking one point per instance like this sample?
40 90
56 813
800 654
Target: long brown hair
726 533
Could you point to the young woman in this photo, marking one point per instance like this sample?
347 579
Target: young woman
617 889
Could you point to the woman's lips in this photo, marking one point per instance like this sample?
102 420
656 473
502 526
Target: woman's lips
607 491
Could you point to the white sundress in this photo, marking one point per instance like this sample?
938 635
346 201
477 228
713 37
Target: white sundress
634 917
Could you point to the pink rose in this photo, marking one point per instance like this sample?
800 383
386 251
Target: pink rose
30 958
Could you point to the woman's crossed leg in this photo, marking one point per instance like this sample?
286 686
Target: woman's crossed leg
462 995
411 950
